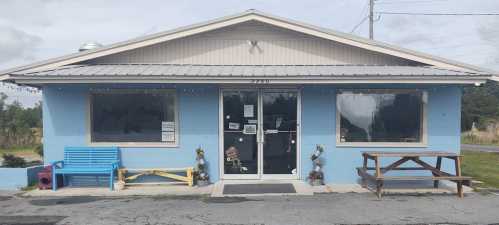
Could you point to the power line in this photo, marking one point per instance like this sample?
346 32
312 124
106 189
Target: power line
361 17
437 14
360 23
370 16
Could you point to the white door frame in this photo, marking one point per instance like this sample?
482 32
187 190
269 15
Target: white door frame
260 175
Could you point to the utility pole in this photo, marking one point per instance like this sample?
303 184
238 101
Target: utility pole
371 19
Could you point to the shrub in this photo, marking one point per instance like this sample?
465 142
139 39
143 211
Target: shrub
39 150
13 161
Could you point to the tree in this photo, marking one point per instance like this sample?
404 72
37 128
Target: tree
18 126
480 105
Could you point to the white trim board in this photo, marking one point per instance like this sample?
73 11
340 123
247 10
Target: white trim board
250 15
367 80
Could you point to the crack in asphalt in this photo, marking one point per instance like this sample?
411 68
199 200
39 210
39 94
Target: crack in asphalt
64 201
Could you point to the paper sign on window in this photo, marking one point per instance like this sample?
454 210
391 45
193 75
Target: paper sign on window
249 129
167 136
233 126
278 122
167 126
248 110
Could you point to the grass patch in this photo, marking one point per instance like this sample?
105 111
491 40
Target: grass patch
482 166
24 152
478 140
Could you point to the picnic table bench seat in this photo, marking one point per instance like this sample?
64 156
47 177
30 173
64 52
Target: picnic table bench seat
170 173
87 161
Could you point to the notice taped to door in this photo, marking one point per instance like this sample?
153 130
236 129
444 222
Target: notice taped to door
233 126
248 111
249 129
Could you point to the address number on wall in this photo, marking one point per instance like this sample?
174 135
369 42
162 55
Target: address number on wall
260 81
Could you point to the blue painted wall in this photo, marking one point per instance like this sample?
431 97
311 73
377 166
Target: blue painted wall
17 178
319 127
65 125
13 178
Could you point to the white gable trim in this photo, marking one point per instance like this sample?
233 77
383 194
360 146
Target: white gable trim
240 18
495 78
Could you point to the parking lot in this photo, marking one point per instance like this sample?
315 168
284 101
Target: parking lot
352 208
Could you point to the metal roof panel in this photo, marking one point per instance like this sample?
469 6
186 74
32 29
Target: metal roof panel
246 70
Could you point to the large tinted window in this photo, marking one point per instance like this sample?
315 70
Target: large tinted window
380 115
133 116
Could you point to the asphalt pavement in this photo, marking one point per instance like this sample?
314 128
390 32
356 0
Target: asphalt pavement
319 209
480 148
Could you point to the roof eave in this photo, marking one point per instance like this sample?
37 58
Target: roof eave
447 79
494 78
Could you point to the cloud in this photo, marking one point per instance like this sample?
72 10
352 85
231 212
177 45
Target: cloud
489 33
17 45
30 14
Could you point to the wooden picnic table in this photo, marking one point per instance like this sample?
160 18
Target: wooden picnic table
437 174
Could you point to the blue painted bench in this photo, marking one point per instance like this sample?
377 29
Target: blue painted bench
87 161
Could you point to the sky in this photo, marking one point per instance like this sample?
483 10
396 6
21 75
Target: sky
40 29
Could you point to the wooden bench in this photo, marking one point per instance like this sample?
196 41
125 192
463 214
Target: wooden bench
171 173
378 177
87 161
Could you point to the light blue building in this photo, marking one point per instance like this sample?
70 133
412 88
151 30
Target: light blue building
265 88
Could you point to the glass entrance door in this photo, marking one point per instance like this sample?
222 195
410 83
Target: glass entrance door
280 132
260 134
240 129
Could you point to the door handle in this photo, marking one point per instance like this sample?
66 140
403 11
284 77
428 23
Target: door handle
271 132
262 134
259 135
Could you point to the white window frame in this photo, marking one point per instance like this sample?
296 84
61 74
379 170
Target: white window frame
133 144
424 133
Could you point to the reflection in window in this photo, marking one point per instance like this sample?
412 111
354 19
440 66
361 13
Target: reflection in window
133 116
380 115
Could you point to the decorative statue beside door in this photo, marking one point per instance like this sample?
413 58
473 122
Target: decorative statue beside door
201 175
316 176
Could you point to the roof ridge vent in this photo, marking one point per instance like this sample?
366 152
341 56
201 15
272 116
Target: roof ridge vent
89 46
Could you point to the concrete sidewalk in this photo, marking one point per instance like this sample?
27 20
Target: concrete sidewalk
216 190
